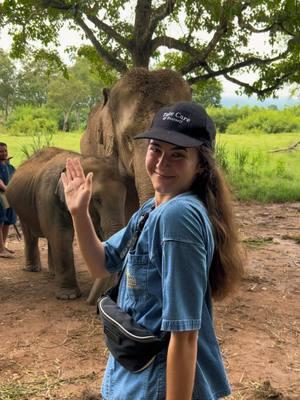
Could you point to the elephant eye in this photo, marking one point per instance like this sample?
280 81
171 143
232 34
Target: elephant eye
97 200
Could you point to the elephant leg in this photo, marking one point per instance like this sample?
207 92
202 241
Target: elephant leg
31 249
50 262
62 259
99 287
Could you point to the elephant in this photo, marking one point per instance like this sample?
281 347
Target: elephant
128 109
36 193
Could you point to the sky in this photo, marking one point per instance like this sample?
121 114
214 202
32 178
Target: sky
69 38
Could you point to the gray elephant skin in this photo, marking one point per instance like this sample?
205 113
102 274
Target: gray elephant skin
128 109
36 193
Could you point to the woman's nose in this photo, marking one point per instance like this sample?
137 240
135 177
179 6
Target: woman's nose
163 160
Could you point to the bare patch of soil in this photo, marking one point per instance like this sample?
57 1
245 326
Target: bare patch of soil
51 349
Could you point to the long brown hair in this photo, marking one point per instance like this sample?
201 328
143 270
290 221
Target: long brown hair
227 264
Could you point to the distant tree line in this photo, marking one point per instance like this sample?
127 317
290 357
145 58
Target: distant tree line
36 95
32 84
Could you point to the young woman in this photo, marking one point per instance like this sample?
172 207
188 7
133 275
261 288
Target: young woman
186 254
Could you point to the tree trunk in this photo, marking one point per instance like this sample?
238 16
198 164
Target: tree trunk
66 121
77 114
141 55
6 108
141 48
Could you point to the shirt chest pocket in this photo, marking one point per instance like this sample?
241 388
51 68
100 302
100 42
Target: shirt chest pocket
136 276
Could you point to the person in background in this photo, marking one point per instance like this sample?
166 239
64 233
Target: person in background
7 214
187 253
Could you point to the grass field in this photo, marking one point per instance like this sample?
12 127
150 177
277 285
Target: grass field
254 172
69 141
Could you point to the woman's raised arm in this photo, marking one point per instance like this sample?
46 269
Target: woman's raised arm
78 191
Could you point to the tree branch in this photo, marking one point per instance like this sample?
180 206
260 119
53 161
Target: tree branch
108 57
247 63
289 148
58 5
172 43
251 28
221 30
253 89
161 13
250 88
219 33
109 31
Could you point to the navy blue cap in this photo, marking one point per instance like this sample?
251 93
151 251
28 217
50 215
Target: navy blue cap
185 124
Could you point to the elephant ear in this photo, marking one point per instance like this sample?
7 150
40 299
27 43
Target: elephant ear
105 129
98 139
106 93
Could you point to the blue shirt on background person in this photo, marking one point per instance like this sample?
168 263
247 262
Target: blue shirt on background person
7 214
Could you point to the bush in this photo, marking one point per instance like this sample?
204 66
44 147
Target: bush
223 117
266 121
39 141
29 120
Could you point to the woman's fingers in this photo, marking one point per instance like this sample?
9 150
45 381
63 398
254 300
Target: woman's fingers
70 169
74 169
78 168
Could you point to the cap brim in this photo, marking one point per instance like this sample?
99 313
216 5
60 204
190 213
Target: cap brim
172 137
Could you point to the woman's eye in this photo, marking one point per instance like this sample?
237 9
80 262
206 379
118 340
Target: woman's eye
153 149
178 155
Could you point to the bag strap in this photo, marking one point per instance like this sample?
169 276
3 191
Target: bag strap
130 245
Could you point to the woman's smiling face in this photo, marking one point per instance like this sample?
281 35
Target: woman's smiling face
172 169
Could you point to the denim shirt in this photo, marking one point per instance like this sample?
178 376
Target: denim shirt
165 287
6 172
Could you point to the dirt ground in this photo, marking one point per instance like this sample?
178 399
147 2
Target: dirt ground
51 349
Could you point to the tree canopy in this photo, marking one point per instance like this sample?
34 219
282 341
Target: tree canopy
30 84
207 38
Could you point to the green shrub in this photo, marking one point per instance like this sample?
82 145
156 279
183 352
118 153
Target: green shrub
29 120
295 110
266 121
39 141
222 156
223 116
241 157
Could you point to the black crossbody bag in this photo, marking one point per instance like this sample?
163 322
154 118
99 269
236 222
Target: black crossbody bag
131 344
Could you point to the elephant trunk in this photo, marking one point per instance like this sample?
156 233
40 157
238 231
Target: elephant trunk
112 220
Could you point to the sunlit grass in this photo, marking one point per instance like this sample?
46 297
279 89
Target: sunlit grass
69 141
255 172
